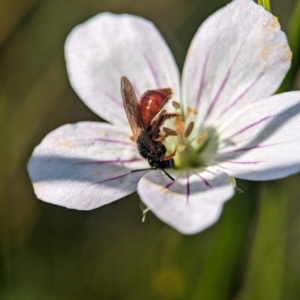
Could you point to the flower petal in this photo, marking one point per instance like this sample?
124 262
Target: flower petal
263 141
239 55
85 165
106 47
191 203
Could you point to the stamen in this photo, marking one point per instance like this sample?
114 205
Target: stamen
189 129
203 137
239 190
169 131
179 124
144 214
176 104
180 148
160 139
191 111
233 182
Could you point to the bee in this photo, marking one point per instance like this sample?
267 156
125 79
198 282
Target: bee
146 119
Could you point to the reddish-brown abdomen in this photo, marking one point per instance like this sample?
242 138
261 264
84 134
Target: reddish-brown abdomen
152 102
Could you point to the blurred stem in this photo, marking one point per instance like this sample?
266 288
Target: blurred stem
5 253
265 273
267 260
294 41
218 274
266 4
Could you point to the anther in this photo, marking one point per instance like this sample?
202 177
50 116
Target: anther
176 104
191 111
180 148
169 131
189 129
203 137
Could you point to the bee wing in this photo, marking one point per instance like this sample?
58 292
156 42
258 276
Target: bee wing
133 111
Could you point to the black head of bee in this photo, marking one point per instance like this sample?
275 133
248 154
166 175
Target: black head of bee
154 154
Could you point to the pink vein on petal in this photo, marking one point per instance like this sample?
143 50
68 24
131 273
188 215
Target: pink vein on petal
202 80
219 92
137 91
242 95
119 161
187 188
205 181
110 161
243 162
250 126
112 98
122 73
250 148
153 71
115 141
209 171
253 147
120 176
223 85
204 71
169 184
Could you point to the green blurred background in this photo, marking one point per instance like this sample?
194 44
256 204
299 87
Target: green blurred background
49 252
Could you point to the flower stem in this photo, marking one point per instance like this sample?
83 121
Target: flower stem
266 267
266 4
217 278
294 41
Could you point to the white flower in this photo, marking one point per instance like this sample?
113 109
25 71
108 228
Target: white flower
237 59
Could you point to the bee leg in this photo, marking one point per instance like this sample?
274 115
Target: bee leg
163 116
160 139
156 125
168 174
153 168
140 170
168 157
168 132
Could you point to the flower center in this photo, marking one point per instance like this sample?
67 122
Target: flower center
192 146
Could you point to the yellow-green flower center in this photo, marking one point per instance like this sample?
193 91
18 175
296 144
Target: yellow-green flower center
190 146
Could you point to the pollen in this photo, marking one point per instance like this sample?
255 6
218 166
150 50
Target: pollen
191 111
176 104
180 148
184 127
179 124
65 143
189 129
203 137
98 172
179 135
169 131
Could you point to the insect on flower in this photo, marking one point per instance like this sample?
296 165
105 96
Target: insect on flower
225 124
145 119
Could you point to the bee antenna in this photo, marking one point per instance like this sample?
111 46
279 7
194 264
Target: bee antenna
168 174
146 169
140 170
